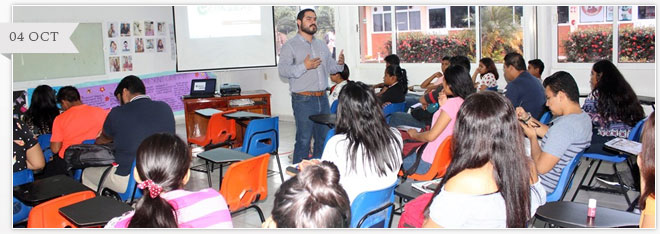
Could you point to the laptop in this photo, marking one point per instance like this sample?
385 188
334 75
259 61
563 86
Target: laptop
201 88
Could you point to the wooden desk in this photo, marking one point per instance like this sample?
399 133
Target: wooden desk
196 123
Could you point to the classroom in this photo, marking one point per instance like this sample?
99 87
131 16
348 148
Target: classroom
461 116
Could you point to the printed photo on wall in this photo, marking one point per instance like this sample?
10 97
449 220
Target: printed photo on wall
112 47
138 28
126 46
161 28
139 45
125 29
150 45
112 29
149 28
114 63
127 63
160 45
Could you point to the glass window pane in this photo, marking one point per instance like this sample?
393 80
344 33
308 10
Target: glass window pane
415 21
374 45
580 42
637 37
500 33
388 22
459 17
562 14
518 14
472 19
387 8
285 25
402 21
437 18
401 8
378 22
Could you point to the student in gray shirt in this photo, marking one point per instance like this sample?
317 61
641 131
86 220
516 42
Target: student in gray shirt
567 135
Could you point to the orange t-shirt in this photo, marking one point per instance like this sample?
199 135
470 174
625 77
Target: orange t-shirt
78 123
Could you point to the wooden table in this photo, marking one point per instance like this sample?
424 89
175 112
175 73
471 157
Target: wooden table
96 211
574 215
196 123
46 189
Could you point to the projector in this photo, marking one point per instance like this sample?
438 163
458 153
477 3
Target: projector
227 89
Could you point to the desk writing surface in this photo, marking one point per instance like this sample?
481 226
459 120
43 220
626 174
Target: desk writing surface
574 215
94 211
208 112
218 155
48 188
245 115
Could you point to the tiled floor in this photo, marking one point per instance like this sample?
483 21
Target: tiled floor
250 219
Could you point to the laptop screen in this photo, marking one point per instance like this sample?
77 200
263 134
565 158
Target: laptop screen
202 87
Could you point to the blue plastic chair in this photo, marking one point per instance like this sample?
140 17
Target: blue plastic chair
262 136
634 135
373 209
21 211
492 88
44 142
132 192
333 107
546 117
393 107
331 133
23 177
565 180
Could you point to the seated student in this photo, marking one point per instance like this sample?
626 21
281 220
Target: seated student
395 81
568 135
340 79
522 89
162 170
391 59
43 109
535 67
612 106
27 152
458 86
487 75
487 184
78 122
312 199
365 149
646 162
412 99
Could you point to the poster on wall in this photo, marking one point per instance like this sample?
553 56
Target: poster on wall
125 29
20 104
112 47
149 28
625 13
149 45
114 63
126 46
139 45
126 63
610 14
112 29
161 28
138 28
592 14
160 45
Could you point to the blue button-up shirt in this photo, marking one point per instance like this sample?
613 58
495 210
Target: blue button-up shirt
292 64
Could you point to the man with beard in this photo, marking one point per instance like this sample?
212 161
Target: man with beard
307 63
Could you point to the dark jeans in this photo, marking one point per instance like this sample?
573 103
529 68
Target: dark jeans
306 129
411 99
401 118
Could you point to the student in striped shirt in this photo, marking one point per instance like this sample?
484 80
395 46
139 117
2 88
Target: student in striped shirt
162 169
567 135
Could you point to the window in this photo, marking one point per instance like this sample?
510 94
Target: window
286 26
407 18
382 18
460 17
501 31
636 35
589 36
437 18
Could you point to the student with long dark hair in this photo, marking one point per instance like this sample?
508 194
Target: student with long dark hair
612 105
646 162
487 74
162 169
396 83
487 184
42 111
312 199
365 149
458 86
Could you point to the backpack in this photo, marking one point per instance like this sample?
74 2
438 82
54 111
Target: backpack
88 155
413 211
411 146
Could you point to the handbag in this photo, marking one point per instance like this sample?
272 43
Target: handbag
88 155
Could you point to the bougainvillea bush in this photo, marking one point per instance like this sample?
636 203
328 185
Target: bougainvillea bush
588 45
418 47
637 45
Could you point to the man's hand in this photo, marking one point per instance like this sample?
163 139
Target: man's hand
521 113
340 60
312 63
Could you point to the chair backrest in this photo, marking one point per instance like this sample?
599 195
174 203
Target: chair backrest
221 128
492 88
47 214
21 211
245 182
565 180
23 177
440 163
393 107
636 131
127 196
333 107
330 133
44 141
261 136
546 117
367 202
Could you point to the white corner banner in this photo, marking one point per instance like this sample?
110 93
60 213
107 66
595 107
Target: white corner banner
37 38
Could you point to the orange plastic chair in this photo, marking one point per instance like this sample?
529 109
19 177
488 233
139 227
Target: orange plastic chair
220 130
245 183
47 214
440 163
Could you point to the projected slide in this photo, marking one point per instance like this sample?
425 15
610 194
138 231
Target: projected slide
224 21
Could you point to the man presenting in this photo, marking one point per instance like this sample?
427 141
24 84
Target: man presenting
307 63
